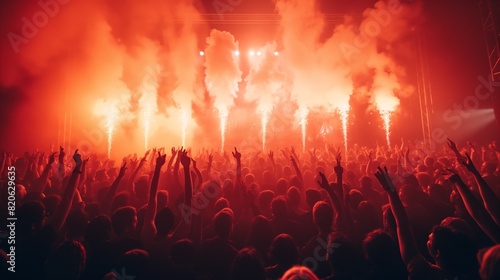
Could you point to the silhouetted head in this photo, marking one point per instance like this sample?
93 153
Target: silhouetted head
120 200
98 230
223 223
264 199
261 234
453 251
279 207
299 273
379 248
293 195
136 263
220 204
343 256
366 182
30 217
247 266
66 262
141 188
312 196
281 186
124 220
284 251
490 263
76 222
163 199
323 216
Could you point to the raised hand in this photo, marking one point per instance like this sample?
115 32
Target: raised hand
210 158
452 145
467 162
52 158
185 160
122 170
194 163
452 176
236 154
173 151
271 155
338 168
323 183
385 180
160 160
61 154
77 158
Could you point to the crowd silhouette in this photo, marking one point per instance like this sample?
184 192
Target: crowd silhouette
373 213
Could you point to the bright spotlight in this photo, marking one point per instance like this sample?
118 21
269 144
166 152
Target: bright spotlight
237 53
251 53
202 53
276 53
259 53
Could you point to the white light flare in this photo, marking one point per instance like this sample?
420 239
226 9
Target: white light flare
386 117
303 113
344 118
111 118
264 122
223 114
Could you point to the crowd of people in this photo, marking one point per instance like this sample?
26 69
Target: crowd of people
373 213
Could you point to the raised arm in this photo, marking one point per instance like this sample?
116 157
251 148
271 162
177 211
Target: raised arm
131 180
407 244
475 209
149 228
297 171
62 169
335 202
42 181
188 187
57 220
490 201
171 161
369 164
271 158
209 166
199 181
106 201
175 174
237 156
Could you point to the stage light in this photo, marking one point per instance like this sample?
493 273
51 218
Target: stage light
202 53
259 53
237 53
251 53
276 53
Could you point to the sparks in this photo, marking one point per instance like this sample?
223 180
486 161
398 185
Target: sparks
386 116
265 120
223 114
344 117
111 118
303 123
